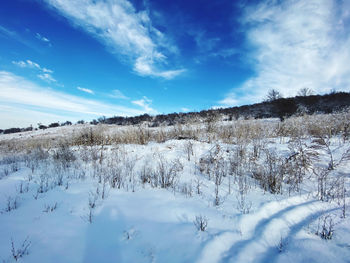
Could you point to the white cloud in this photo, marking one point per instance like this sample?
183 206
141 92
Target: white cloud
42 38
27 64
86 90
17 92
117 94
119 26
45 74
46 77
146 68
296 44
225 53
21 64
145 103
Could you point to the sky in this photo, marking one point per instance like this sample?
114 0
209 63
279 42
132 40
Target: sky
82 59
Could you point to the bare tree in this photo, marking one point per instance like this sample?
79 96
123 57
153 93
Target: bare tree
305 92
273 95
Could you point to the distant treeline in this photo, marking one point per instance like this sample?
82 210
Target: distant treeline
278 108
30 128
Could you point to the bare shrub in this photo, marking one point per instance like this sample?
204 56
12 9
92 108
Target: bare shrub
146 174
43 183
271 174
14 167
186 189
325 228
85 153
201 223
238 161
343 197
219 173
116 176
50 208
90 137
35 156
165 174
281 246
21 251
189 150
198 183
215 167
243 205
211 121
207 162
93 197
299 162
130 234
5 172
133 135
64 154
238 166
23 189
129 164
259 144
323 142
11 204
36 195
329 187
92 203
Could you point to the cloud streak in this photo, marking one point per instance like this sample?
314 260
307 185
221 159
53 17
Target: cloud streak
32 65
86 90
117 94
295 44
127 32
42 38
17 92
145 104
44 73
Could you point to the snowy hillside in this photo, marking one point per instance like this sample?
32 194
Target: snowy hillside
241 191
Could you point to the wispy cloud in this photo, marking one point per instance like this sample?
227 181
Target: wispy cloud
225 53
86 90
295 44
31 64
11 34
6 32
42 38
145 104
145 68
117 94
127 32
44 73
17 92
203 41
46 77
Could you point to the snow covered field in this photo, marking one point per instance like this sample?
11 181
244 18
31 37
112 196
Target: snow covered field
258 196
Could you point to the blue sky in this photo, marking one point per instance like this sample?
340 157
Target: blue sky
82 59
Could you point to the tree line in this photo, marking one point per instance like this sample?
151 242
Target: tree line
274 106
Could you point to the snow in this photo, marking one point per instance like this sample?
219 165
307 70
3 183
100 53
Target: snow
141 223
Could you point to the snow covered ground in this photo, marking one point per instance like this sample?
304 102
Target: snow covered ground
143 203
